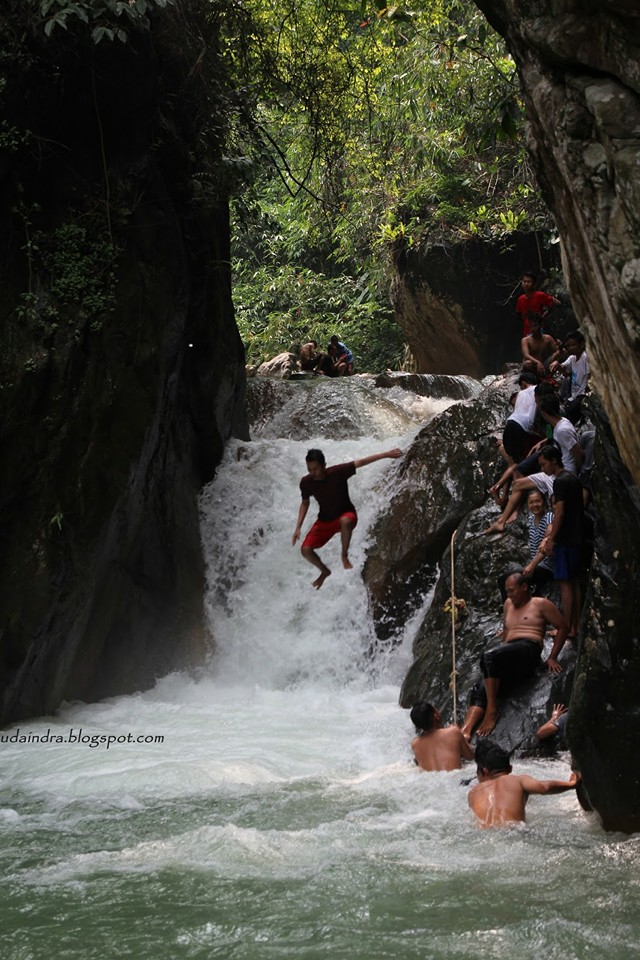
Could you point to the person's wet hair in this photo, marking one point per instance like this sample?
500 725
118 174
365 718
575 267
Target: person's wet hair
576 335
422 715
489 756
551 452
316 455
527 377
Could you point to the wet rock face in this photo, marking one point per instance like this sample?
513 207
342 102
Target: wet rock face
112 419
579 68
604 725
443 477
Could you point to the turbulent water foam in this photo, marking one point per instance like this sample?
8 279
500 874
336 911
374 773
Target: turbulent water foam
280 815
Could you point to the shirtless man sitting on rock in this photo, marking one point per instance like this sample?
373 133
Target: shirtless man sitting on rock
518 656
501 796
436 747
538 349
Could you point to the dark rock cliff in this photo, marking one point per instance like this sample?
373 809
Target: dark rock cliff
122 369
579 62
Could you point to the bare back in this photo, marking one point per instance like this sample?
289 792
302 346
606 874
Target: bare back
441 749
499 801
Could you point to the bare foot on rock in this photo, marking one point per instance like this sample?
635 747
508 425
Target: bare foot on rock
488 724
346 563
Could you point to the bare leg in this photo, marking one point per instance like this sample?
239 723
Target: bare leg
512 504
473 717
491 685
566 602
313 558
346 529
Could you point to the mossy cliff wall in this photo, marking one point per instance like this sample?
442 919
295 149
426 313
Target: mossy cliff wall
122 370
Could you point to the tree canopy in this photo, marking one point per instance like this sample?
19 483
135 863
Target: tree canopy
373 130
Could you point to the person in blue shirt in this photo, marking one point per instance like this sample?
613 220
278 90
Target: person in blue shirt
341 356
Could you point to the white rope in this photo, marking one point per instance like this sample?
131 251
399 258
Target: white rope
454 672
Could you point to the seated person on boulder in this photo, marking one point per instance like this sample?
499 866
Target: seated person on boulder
311 359
341 356
539 349
518 657
436 747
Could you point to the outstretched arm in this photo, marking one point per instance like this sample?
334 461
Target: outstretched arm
391 454
531 785
302 512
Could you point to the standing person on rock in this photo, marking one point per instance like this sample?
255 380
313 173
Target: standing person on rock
532 301
329 485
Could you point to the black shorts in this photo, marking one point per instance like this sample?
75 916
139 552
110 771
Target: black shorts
516 441
511 663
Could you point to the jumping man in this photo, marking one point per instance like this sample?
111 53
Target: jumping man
329 485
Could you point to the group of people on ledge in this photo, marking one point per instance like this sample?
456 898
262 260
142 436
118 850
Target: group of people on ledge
549 463
336 362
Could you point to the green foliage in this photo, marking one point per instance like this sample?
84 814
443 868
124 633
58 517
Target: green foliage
107 19
279 308
72 278
376 131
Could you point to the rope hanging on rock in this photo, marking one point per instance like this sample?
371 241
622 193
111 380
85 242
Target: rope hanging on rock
455 606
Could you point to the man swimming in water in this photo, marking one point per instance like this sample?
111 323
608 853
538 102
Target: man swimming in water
501 796
329 485
518 657
436 747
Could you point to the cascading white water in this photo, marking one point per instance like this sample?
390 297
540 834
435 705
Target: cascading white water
280 816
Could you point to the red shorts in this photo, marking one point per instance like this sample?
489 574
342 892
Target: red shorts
322 530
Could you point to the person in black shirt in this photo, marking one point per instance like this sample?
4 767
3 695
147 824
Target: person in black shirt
329 485
567 537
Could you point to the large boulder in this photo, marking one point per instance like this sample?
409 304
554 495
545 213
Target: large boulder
280 367
445 475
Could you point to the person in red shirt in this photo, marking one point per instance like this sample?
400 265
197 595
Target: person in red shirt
329 485
532 301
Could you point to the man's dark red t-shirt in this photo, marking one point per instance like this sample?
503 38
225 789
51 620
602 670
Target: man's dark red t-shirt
332 493
535 302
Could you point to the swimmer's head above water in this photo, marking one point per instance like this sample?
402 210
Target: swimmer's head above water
491 758
424 716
